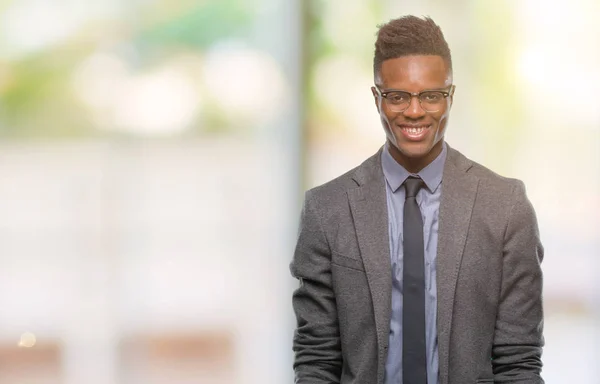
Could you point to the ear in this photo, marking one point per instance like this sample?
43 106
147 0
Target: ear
376 97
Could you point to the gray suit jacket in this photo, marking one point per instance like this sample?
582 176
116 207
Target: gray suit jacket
489 281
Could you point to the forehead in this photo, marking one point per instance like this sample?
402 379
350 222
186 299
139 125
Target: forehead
414 73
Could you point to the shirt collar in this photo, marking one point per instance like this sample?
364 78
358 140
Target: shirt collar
395 174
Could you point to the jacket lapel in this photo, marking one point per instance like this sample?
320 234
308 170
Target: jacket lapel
368 204
458 196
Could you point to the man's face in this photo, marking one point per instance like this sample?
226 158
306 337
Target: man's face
415 135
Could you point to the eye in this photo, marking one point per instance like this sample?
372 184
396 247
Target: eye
432 97
397 97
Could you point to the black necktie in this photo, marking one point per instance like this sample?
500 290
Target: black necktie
414 360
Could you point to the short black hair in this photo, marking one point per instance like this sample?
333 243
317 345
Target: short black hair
410 35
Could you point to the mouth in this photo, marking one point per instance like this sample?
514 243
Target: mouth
414 132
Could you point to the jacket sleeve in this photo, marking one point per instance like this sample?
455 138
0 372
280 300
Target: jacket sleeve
518 338
316 344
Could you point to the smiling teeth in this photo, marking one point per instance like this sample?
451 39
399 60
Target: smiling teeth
414 131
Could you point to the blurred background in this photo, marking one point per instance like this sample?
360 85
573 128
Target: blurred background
154 155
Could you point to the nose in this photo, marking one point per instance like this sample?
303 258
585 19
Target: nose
414 109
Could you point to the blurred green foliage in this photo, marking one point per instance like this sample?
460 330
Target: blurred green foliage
36 99
499 106
196 25
355 41
36 89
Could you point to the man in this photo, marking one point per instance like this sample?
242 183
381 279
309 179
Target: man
420 265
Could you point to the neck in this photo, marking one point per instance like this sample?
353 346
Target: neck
415 164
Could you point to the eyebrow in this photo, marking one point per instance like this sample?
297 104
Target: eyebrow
403 90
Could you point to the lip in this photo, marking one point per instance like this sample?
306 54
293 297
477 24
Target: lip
404 129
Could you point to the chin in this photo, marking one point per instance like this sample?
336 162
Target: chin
415 150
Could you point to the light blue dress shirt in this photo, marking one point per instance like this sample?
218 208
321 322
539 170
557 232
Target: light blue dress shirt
428 199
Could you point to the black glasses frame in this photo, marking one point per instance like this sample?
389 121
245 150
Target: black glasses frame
445 92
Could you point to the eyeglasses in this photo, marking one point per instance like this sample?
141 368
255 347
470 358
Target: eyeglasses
430 101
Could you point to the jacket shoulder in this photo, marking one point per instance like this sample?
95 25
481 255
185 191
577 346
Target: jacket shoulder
494 181
331 191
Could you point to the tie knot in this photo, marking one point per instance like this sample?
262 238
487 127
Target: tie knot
412 186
